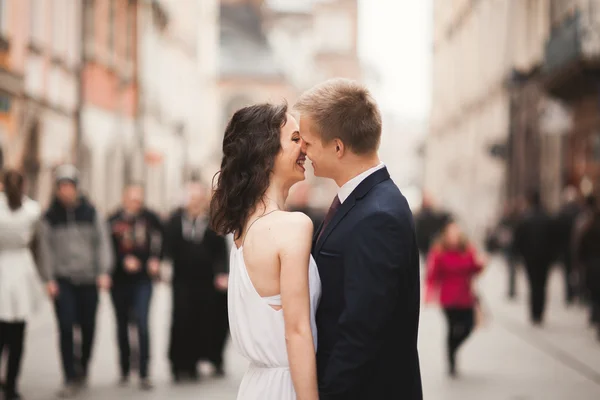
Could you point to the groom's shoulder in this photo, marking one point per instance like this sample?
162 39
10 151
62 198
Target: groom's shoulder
387 197
387 201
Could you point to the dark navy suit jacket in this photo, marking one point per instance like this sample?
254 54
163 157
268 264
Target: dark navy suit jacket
368 316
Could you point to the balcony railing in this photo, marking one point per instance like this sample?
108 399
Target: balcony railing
575 40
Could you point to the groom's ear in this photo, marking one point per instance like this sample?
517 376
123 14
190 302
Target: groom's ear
339 147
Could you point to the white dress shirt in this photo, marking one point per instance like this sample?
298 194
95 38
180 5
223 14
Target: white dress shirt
345 191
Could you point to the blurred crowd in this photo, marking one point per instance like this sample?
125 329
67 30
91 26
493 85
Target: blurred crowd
74 252
531 236
527 236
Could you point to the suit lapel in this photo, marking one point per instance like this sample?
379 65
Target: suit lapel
345 207
316 235
365 186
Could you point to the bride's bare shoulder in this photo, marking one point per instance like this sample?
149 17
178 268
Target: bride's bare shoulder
293 224
292 235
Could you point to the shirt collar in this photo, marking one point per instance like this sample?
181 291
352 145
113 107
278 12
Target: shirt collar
345 191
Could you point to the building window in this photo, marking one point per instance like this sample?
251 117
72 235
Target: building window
5 102
595 146
334 32
130 32
89 26
59 27
159 16
111 27
561 9
31 160
4 17
37 21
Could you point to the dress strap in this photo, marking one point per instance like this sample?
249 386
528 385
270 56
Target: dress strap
250 226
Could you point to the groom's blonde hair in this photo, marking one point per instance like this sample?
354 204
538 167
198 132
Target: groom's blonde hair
343 109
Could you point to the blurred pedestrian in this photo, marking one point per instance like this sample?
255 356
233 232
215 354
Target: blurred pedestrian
505 236
21 291
535 242
200 274
565 221
428 223
452 265
75 259
137 237
589 256
582 223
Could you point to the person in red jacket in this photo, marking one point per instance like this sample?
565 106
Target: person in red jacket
452 265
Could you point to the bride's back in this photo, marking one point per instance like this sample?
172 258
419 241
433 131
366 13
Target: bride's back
256 311
260 251
255 308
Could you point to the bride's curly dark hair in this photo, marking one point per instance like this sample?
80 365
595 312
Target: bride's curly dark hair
251 142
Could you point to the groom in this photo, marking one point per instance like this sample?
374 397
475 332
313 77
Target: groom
366 252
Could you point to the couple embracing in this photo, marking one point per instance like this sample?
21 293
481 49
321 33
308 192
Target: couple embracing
330 314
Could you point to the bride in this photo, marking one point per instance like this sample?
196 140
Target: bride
274 285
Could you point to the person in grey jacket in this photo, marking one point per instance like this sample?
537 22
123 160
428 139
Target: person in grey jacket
75 260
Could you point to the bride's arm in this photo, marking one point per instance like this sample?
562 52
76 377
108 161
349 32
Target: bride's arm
294 252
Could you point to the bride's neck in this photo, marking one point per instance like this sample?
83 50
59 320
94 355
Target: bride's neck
276 195
274 199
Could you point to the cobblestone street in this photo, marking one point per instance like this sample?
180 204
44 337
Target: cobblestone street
504 360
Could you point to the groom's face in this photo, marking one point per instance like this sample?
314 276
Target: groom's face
321 155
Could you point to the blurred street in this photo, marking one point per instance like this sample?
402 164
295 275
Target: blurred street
510 359
116 109
506 359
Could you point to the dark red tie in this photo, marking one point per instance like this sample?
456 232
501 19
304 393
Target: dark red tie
334 206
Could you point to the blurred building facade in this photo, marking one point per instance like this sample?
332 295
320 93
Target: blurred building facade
76 97
401 147
314 40
248 71
140 90
69 78
272 50
13 48
176 51
109 98
495 132
571 67
44 52
336 39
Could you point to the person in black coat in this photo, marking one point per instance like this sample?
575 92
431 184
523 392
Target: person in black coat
428 224
503 236
535 242
565 221
137 238
200 272
589 256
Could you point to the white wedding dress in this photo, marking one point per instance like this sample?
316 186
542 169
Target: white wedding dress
258 332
